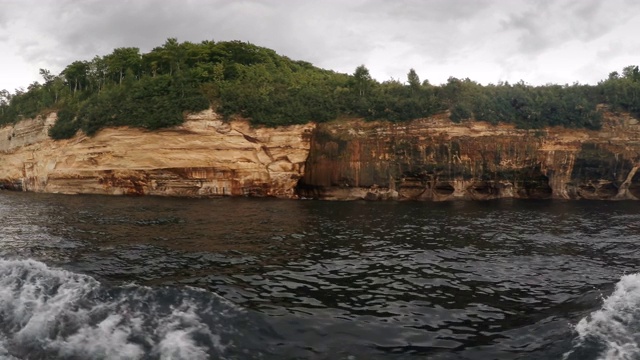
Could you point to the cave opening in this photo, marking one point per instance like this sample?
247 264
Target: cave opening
443 188
537 187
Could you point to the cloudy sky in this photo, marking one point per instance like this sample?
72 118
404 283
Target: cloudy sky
538 41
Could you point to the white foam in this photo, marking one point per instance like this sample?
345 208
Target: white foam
178 344
616 325
177 331
106 340
70 315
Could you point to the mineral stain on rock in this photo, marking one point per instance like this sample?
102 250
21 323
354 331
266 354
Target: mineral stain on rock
425 159
205 156
435 159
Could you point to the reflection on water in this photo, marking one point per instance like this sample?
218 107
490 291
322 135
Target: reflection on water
499 279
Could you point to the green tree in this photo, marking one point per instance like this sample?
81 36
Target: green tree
47 76
5 98
121 60
362 80
631 72
75 75
414 80
98 72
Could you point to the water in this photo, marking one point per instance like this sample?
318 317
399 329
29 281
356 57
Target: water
155 278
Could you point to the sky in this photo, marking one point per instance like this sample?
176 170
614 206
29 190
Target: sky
488 41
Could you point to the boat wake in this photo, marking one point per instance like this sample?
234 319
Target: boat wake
612 332
48 313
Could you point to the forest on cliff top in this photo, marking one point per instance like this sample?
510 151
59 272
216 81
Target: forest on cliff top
155 89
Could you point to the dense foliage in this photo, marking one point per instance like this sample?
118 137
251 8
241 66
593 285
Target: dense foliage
155 89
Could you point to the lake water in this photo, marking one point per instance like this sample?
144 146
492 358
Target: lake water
160 278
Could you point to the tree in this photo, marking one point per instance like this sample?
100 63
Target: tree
5 98
58 87
34 86
76 75
459 112
47 76
122 59
631 72
413 80
98 70
173 53
362 79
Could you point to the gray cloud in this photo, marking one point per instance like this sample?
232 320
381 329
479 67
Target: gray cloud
490 40
5 14
533 37
316 31
546 24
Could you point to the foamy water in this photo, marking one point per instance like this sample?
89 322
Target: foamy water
51 313
613 332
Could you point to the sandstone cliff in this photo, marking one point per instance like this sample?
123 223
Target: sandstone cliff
425 159
205 156
434 159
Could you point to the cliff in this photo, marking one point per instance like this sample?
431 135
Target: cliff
425 159
205 156
435 159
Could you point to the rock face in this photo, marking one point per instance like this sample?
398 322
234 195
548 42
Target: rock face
205 156
434 159
425 159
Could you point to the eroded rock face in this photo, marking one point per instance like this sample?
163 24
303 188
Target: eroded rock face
205 156
426 159
434 159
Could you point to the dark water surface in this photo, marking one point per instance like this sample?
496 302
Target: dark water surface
156 278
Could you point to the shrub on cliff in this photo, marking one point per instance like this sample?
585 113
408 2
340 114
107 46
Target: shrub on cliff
151 103
66 126
622 92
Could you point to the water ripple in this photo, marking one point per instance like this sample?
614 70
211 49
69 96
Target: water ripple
504 279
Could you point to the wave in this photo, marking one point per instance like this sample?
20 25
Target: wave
51 313
612 332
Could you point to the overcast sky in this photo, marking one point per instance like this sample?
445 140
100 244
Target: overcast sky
553 41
